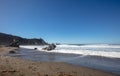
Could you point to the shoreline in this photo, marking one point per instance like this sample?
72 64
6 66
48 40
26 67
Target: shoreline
12 66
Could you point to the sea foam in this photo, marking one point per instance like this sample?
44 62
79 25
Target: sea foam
104 50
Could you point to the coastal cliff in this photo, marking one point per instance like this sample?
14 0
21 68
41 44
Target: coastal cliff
6 39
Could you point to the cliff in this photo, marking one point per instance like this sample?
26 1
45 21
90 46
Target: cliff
6 39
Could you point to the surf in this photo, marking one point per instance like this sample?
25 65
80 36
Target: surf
105 50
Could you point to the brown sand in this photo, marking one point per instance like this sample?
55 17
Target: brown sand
11 66
4 50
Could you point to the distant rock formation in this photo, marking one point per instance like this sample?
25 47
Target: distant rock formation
50 47
7 39
15 43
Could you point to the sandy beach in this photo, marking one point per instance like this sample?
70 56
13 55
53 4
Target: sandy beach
5 50
12 66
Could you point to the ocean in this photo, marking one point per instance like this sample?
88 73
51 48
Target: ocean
104 57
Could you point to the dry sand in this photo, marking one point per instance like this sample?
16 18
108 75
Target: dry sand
11 66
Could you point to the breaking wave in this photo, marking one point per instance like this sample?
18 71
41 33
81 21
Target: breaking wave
105 50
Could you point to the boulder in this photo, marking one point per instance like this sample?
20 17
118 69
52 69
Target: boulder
50 47
12 52
35 48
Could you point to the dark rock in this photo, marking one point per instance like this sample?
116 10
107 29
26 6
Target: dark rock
13 51
57 43
35 48
50 47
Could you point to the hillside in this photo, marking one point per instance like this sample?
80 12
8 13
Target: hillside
6 39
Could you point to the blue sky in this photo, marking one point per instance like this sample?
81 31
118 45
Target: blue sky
62 21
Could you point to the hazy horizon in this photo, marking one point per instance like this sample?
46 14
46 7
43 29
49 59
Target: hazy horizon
62 21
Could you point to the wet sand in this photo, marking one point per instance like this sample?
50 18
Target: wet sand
5 50
12 66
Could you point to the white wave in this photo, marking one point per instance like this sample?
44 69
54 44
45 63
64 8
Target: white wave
68 46
102 46
32 46
89 52
92 46
84 50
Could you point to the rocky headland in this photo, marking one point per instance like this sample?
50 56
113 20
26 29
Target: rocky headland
7 39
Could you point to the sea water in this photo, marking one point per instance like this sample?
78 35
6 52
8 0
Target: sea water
105 50
98 56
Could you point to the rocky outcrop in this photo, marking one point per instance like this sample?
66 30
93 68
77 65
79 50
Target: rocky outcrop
15 43
7 39
12 51
50 47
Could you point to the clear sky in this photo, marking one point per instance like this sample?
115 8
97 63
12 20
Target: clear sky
62 21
